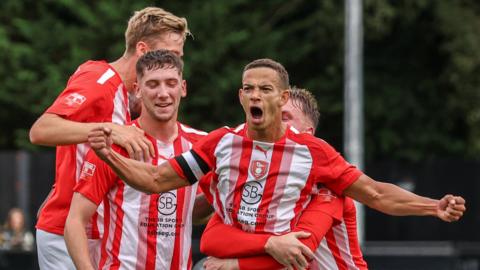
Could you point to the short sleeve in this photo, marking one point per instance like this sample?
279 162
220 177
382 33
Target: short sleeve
331 169
193 165
96 178
85 99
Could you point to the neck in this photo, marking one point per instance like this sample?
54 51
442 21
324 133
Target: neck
125 67
164 131
270 134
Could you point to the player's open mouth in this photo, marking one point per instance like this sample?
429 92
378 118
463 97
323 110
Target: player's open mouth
256 113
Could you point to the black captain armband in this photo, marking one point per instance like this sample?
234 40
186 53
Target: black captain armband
193 166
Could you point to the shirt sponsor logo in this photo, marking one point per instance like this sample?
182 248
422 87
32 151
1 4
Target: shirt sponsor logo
75 99
167 203
88 169
258 168
252 192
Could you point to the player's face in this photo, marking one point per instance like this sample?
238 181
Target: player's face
262 98
161 91
170 41
293 116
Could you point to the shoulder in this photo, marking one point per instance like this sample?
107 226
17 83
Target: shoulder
96 73
220 132
314 144
191 134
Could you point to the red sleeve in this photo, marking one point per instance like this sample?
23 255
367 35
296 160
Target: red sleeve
261 262
317 219
96 178
85 100
176 167
205 184
331 169
193 165
205 147
238 243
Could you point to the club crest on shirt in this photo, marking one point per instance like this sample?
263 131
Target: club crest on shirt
75 99
326 194
88 169
258 168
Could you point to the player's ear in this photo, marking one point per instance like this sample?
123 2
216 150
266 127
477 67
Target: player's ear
284 97
136 90
240 93
184 88
310 130
141 48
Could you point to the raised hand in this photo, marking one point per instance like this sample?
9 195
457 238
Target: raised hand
101 142
451 208
134 141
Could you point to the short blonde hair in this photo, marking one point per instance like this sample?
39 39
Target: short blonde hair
151 22
307 103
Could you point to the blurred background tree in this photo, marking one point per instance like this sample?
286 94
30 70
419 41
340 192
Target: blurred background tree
422 60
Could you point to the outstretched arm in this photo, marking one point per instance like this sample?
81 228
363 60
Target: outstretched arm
52 130
393 200
142 176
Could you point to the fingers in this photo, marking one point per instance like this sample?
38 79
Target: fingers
455 207
140 149
147 149
301 234
307 252
299 261
134 141
130 151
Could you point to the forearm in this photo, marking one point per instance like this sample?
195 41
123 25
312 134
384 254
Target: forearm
399 202
52 130
77 245
237 244
391 199
145 177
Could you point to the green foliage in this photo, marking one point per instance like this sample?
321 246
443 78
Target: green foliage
421 64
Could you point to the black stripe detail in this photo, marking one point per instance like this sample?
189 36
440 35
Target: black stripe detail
186 169
201 163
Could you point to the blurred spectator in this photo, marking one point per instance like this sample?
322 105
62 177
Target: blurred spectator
14 236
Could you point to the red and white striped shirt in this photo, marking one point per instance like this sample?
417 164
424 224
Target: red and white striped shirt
94 93
340 248
143 231
260 186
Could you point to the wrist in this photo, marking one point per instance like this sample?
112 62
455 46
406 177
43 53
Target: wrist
268 245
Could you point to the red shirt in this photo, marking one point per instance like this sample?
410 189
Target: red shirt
94 93
259 186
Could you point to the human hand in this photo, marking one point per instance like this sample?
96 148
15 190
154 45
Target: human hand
134 141
289 251
451 208
213 263
101 142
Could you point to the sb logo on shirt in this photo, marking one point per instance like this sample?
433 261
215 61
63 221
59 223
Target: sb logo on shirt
167 203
